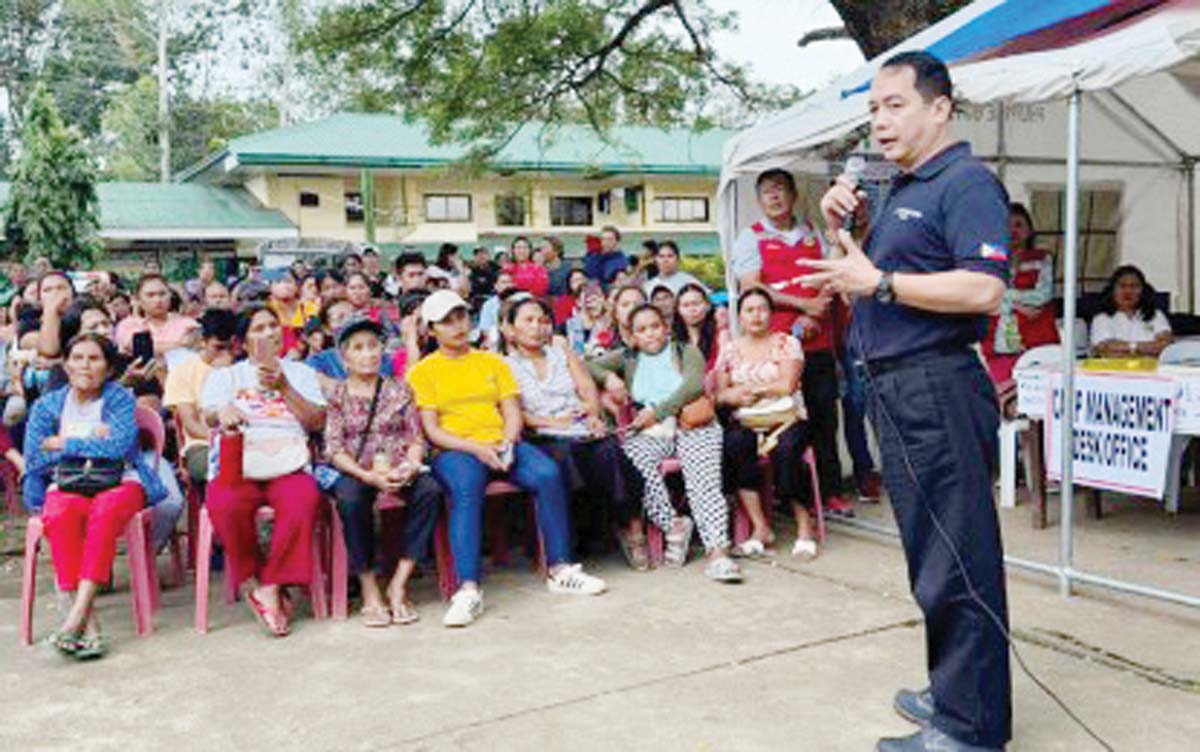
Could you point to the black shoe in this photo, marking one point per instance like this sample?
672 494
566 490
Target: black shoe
929 740
916 707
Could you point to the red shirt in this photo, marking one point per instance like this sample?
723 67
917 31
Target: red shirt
530 277
782 267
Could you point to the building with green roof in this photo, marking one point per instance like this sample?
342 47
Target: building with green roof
377 178
180 218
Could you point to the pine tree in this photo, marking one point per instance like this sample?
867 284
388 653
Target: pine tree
53 200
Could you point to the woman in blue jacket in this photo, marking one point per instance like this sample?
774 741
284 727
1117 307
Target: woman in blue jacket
90 418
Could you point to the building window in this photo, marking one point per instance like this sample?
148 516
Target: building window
510 210
447 208
354 207
308 199
681 209
1099 220
571 211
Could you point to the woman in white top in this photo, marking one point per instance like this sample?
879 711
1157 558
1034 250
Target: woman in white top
1129 324
561 408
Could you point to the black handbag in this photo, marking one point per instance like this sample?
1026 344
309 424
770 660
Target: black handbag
88 476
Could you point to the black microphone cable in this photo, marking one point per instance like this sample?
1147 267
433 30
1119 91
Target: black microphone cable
910 470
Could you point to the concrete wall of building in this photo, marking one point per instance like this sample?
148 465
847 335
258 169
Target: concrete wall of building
400 204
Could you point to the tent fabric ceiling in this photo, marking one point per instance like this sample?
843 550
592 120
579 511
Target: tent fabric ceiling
1140 38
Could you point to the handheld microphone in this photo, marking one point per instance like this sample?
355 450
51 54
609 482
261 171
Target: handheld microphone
856 167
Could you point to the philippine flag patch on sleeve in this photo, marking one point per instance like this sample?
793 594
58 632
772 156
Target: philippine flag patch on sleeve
993 252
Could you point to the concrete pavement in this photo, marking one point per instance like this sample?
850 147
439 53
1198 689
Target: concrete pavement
801 657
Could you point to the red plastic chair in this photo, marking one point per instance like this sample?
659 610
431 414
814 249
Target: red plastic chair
448 574
143 583
151 422
12 488
194 495
317 590
741 521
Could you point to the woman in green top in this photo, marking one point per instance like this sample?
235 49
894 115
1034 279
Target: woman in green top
661 378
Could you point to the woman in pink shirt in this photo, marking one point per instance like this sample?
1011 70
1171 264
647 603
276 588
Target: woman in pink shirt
168 330
527 274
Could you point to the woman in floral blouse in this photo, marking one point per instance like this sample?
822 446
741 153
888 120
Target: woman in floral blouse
378 455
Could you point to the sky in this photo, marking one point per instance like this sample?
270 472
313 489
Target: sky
766 42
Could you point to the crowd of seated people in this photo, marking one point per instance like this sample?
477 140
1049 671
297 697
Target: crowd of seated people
612 393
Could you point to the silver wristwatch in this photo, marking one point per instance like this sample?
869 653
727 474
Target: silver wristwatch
884 292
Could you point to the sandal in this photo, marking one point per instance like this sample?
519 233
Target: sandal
635 550
805 549
404 613
750 548
272 620
66 643
374 617
678 541
723 570
91 647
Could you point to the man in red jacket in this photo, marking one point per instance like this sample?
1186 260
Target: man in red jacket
771 254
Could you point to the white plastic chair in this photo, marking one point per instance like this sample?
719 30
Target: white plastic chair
1185 353
1083 341
1037 357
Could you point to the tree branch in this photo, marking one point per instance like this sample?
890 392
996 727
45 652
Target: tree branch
826 34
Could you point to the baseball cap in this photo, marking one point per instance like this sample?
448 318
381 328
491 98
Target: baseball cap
356 325
439 305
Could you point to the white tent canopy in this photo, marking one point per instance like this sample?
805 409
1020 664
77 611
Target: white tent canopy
1142 83
1127 67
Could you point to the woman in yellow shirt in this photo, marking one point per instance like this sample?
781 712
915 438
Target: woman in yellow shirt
470 410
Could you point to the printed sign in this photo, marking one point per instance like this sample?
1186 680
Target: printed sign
1031 391
1123 428
1187 414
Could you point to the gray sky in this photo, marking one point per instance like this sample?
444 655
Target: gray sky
766 41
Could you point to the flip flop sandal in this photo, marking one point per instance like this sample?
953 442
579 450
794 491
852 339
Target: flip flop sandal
804 549
724 570
91 647
678 541
406 613
750 549
66 643
374 617
271 620
635 551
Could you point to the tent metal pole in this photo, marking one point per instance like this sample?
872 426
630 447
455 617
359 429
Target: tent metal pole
1016 159
1066 544
1029 565
730 223
1189 263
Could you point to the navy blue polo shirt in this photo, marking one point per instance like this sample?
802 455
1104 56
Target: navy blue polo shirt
951 213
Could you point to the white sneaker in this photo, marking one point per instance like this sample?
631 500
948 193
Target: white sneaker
465 606
572 579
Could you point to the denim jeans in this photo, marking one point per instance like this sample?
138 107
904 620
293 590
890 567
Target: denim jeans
465 479
854 412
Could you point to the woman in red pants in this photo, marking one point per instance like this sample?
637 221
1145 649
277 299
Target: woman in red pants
91 418
274 404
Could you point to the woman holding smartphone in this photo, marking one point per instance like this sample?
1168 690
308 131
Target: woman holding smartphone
270 406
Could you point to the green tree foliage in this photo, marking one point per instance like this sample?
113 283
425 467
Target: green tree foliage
198 128
24 28
476 70
53 202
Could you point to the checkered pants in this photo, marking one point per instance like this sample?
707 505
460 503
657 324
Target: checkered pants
699 451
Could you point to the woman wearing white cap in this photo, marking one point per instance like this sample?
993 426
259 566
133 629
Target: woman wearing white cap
470 410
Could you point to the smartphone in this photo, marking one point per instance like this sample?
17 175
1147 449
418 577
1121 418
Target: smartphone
143 347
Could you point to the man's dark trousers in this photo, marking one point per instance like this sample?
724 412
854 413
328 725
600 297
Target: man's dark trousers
819 384
939 409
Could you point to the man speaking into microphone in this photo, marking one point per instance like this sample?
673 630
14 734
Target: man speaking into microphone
934 265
